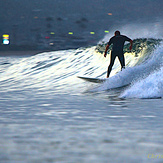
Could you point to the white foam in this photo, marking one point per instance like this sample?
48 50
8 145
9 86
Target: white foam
146 78
151 84
150 87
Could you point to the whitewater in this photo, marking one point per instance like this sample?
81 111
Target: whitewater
47 114
143 72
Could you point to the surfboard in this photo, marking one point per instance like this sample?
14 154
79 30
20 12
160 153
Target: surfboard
93 80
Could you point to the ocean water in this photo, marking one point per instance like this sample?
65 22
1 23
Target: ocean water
47 114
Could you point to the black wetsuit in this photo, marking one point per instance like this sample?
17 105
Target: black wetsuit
117 50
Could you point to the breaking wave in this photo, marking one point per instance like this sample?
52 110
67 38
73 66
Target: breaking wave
143 73
57 71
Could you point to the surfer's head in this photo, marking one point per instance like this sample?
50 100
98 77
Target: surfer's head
117 33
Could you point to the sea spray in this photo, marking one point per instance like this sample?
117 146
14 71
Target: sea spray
148 66
150 87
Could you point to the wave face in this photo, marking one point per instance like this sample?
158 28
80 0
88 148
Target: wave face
57 71
143 72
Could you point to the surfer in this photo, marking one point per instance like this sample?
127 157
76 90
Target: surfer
118 41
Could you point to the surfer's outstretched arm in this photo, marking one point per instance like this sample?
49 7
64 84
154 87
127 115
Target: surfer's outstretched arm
107 47
131 43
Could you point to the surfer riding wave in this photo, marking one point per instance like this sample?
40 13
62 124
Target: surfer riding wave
118 41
